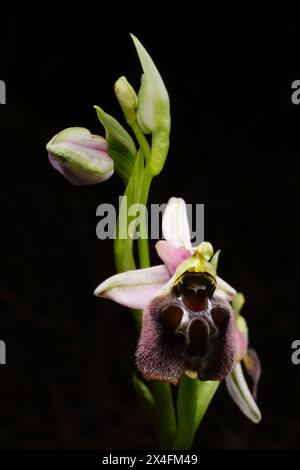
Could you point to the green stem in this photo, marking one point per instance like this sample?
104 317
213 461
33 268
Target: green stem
142 141
143 243
143 250
137 318
165 418
193 400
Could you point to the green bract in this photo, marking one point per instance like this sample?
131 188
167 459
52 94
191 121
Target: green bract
153 112
120 145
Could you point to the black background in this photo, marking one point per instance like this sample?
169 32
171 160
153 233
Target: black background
235 147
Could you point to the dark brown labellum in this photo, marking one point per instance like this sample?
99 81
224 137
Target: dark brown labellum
205 344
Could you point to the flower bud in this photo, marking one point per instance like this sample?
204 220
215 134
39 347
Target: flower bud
81 157
127 98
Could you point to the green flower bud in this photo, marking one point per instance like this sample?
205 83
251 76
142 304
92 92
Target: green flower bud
127 98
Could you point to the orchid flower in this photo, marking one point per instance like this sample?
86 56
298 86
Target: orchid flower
188 322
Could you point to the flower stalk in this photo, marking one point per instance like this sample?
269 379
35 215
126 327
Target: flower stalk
194 397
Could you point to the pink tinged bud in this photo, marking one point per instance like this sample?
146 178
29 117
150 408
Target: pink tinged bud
187 330
81 157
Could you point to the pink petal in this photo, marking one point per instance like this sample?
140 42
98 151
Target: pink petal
253 368
134 289
170 255
241 341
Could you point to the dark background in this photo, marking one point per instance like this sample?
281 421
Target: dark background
234 147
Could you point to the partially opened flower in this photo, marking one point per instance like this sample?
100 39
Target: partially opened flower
188 323
81 157
235 382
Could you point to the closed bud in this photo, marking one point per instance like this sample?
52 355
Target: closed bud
81 157
127 98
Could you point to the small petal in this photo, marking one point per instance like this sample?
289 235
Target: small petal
136 288
253 368
241 333
215 259
241 344
240 393
224 291
175 224
170 255
238 303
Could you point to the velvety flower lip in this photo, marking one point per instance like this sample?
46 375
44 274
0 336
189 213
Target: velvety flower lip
81 157
176 339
